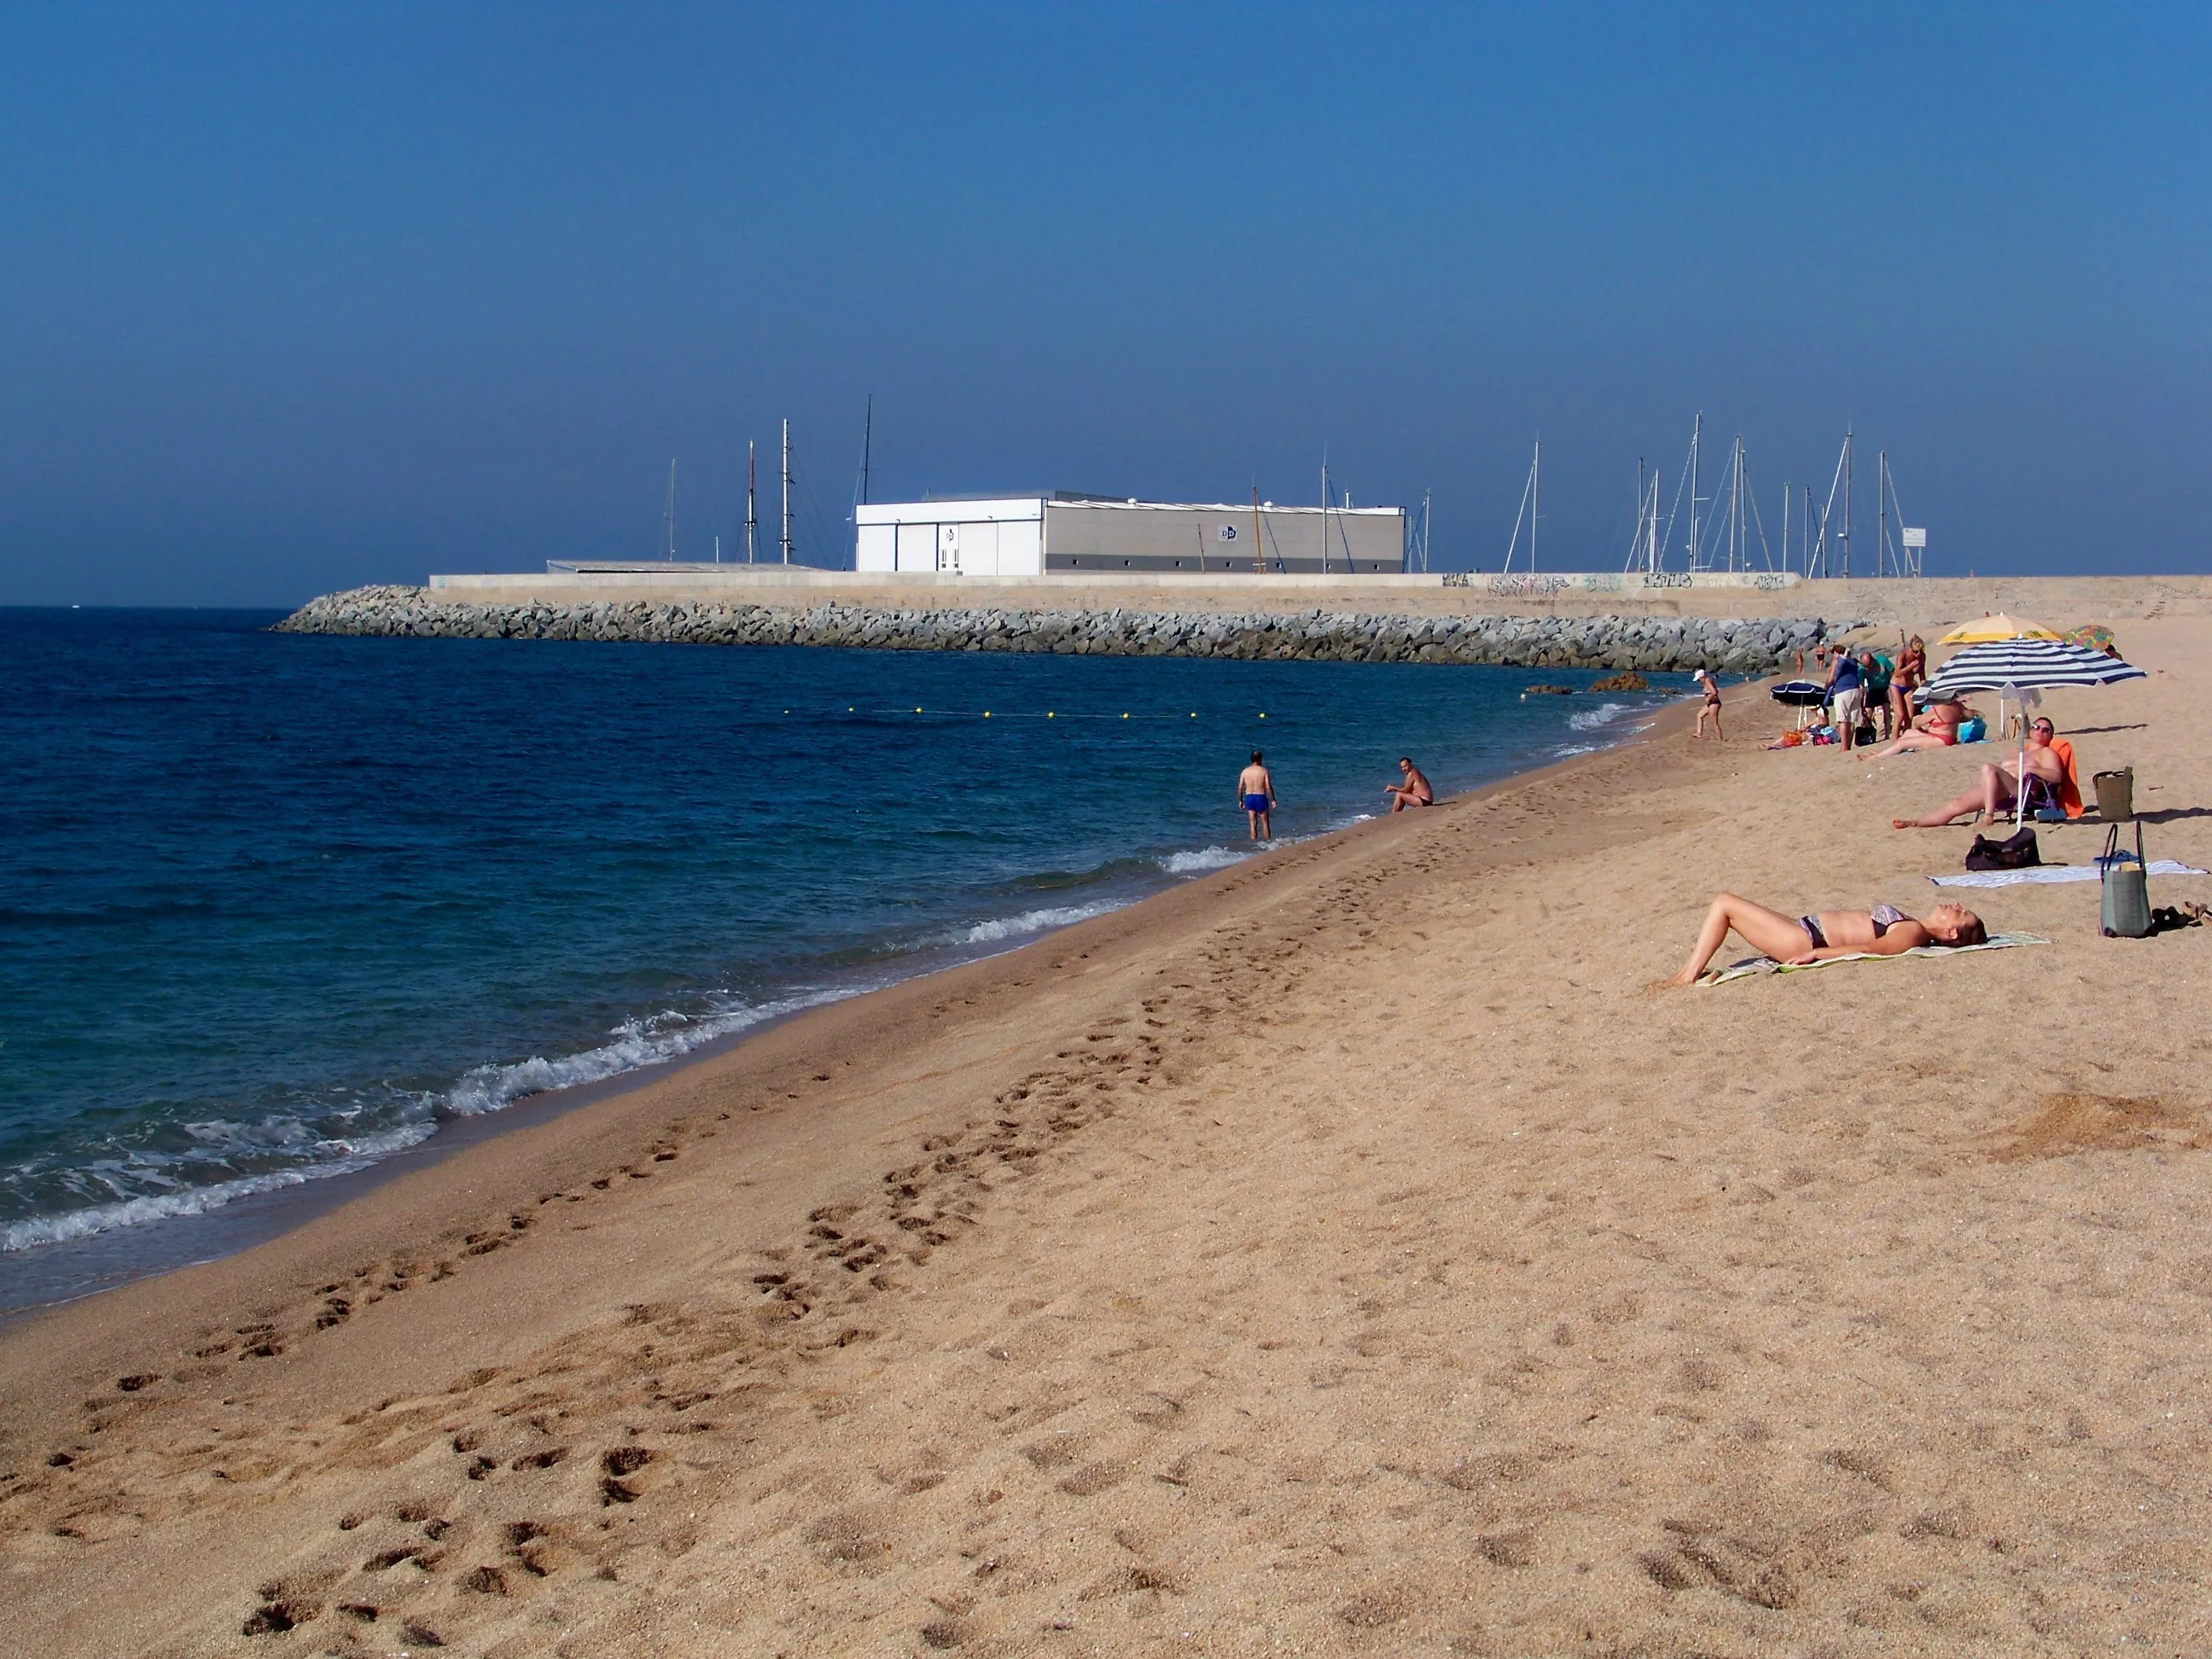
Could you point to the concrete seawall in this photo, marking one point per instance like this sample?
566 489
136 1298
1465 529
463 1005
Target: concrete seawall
1934 603
1648 642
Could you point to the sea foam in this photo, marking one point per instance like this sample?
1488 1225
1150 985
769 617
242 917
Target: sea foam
652 1040
1031 922
1205 858
1589 720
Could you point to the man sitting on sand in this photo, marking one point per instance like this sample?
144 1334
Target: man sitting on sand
1999 789
1414 792
1884 931
1936 729
1256 790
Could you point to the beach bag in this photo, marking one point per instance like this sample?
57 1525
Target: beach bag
2015 852
2126 890
2115 794
1863 733
1973 731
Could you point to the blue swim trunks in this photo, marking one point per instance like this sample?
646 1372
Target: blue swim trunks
1256 803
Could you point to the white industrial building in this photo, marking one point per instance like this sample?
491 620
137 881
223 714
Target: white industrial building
1061 531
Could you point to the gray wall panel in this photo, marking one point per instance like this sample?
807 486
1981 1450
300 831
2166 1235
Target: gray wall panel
1146 537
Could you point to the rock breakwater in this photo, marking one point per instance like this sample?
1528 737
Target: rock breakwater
1646 643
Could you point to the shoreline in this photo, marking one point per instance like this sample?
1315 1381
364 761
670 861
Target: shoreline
1343 1250
469 1136
52 1275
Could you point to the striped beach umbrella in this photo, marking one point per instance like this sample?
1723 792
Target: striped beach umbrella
2028 664
2009 667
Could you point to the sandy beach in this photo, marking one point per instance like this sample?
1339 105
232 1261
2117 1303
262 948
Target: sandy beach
1348 1253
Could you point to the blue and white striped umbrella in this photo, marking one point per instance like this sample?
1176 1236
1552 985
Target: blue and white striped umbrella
2027 665
2012 666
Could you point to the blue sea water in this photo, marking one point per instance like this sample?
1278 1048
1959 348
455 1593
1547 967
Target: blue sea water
274 907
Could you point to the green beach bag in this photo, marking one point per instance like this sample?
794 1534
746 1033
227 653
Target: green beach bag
2126 887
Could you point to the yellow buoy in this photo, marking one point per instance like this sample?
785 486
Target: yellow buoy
1125 715
1049 715
986 713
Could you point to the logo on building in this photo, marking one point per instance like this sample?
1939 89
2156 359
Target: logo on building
1229 532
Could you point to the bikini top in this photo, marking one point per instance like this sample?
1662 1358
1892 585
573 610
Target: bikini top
1886 916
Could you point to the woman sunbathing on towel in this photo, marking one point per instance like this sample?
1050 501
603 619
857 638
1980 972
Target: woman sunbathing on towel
1884 931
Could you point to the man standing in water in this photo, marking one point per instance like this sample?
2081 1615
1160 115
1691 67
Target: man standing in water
1257 790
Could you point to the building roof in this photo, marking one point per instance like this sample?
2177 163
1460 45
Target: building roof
1077 498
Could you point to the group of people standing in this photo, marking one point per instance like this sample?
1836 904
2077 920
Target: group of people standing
1867 683
1860 685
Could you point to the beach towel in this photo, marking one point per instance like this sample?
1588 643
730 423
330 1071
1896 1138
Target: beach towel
2052 872
2070 786
1751 965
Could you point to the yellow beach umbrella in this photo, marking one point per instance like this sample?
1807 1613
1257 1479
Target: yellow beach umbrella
1999 626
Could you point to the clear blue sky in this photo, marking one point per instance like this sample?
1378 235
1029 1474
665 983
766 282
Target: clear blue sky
297 297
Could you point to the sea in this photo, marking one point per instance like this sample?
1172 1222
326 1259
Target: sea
278 912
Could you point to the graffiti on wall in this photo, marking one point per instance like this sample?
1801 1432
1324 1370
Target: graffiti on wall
1522 585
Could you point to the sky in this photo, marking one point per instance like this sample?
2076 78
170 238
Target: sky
295 298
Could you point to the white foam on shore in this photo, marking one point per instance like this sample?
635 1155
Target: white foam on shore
344 1158
1207 858
488 1088
1032 921
653 1040
1589 720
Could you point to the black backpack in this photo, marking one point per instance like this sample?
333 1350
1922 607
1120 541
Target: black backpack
2015 852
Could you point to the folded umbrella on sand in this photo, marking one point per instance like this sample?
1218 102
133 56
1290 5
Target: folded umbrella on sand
2011 666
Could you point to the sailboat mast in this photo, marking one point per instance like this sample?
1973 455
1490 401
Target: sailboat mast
752 521
787 489
1697 432
668 517
867 447
1651 531
1739 533
1535 488
1847 504
1324 512
1882 512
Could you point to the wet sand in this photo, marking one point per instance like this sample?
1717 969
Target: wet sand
1346 1253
